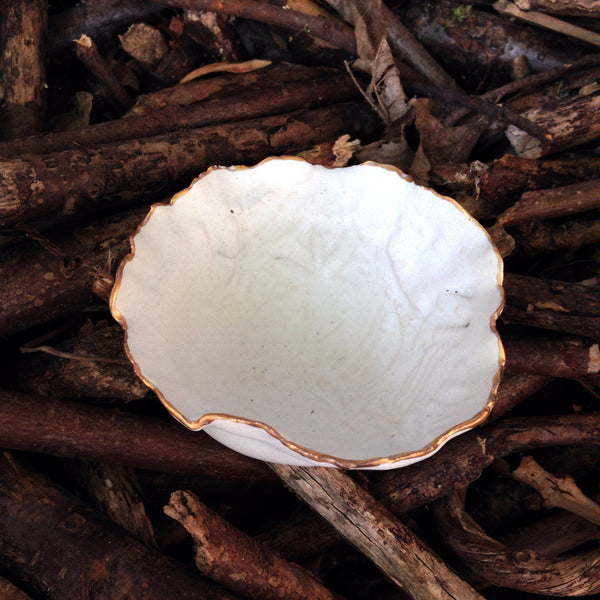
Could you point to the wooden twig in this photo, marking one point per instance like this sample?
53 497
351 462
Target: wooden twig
538 79
481 45
526 570
328 29
101 19
541 238
557 492
553 535
571 8
551 203
87 52
76 430
236 561
36 188
569 121
461 460
555 358
249 104
63 549
22 63
406 45
510 176
114 490
300 537
547 22
514 389
8 591
492 112
41 283
555 305
366 524
85 375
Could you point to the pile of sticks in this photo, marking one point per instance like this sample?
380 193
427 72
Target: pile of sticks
103 495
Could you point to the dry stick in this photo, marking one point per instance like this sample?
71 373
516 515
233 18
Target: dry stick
75 430
514 389
63 549
8 591
575 575
552 535
557 492
547 22
538 79
102 19
510 175
555 358
236 561
555 305
542 293
22 64
249 104
525 83
538 205
88 54
89 374
115 491
366 524
492 111
406 45
228 84
65 183
40 284
461 460
329 29
540 238
569 121
572 8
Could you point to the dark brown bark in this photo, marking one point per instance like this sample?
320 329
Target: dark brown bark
330 30
514 389
510 176
75 430
555 305
8 591
61 184
62 548
572 8
553 534
300 537
87 52
236 561
461 460
366 524
73 372
569 121
242 105
44 282
576 575
555 358
101 19
541 238
22 56
538 205
479 47
114 490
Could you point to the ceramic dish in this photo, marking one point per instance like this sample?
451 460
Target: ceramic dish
303 315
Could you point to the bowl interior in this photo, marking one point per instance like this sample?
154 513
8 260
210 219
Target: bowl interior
350 310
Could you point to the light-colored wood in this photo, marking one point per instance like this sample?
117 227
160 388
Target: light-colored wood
371 528
547 22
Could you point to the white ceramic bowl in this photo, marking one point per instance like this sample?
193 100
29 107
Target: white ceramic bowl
303 315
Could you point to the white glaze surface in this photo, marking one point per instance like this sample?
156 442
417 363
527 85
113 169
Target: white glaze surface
347 309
